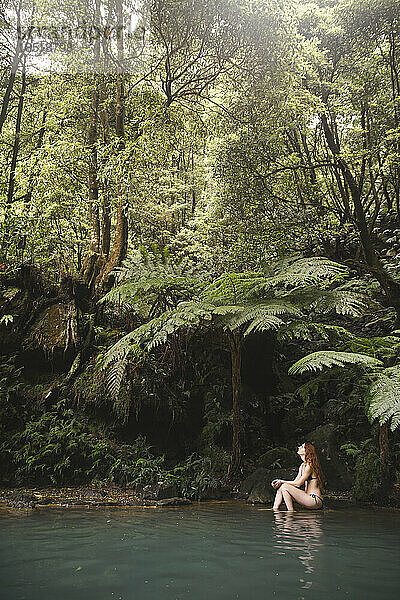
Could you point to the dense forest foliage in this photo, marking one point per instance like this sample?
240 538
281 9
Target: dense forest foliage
200 241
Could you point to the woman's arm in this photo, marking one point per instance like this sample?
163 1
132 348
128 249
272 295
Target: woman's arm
301 478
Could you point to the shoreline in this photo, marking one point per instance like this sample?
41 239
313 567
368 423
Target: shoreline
88 496
114 497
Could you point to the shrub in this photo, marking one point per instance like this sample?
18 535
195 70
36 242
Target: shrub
195 476
57 447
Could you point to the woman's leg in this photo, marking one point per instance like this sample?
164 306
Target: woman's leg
290 493
278 499
287 497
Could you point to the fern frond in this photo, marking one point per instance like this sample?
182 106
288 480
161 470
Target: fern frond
233 288
278 306
299 330
383 347
384 398
185 315
317 300
130 343
155 332
305 272
263 323
261 316
343 302
227 310
134 290
307 330
244 287
115 375
316 361
156 262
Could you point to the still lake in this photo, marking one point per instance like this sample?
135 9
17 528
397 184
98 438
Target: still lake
216 550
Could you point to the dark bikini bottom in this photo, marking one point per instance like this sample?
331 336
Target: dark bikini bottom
315 496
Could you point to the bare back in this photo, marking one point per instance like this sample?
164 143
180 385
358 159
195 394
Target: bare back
311 484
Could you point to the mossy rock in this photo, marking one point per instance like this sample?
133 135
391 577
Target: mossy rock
54 328
158 491
367 481
257 486
337 475
90 385
279 458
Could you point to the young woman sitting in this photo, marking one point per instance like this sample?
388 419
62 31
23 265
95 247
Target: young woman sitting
310 474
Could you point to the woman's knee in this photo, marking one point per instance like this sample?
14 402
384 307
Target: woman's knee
284 487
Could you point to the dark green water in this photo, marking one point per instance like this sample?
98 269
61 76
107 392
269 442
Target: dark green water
215 551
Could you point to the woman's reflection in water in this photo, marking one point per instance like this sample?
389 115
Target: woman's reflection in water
301 532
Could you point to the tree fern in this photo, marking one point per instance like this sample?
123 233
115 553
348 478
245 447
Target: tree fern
264 322
261 316
305 272
342 302
384 397
242 303
233 288
150 335
309 330
134 290
316 361
286 275
322 301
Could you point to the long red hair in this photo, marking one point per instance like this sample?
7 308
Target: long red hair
312 459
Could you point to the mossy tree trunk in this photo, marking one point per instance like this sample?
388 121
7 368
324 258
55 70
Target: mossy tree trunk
384 460
90 268
120 244
89 265
106 216
235 467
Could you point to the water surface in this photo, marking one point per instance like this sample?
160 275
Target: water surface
217 551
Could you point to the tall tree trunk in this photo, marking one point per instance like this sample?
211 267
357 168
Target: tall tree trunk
390 287
384 460
14 158
120 244
7 94
28 196
19 54
13 71
106 216
93 174
235 466
7 239
89 269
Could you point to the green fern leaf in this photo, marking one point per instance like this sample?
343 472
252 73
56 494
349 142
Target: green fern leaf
115 375
307 272
384 397
316 361
263 323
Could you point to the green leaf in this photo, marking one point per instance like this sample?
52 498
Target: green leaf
316 361
384 397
